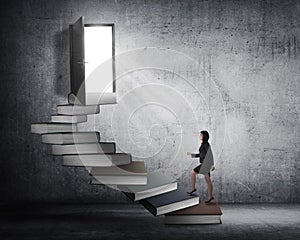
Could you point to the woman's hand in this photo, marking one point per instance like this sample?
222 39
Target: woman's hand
188 153
212 168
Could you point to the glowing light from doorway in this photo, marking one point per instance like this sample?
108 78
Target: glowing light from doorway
98 49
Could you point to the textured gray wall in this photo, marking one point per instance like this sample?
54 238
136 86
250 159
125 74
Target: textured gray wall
248 52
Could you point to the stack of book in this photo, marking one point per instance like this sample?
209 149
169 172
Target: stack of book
157 192
160 195
84 149
199 214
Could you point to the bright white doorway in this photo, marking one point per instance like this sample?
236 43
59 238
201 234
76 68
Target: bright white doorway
98 55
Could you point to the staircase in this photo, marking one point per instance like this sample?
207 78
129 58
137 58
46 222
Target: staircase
104 165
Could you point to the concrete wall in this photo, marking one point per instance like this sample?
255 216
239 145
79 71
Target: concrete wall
248 53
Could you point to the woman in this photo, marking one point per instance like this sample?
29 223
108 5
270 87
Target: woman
206 165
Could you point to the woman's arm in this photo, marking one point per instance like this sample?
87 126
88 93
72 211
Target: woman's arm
193 155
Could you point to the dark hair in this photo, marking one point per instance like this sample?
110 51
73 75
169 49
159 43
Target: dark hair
205 135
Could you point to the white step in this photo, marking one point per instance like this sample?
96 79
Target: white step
41 128
95 98
69 109
97 160
134 173
71 137
69 119
84 148
157 183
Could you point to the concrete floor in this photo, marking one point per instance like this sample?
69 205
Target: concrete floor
132 221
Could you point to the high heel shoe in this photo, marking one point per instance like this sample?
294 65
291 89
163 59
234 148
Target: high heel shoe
208 201
191 192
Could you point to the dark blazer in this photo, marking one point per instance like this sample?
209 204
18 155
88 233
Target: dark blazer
206 158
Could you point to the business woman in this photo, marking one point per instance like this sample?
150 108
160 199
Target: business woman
206 160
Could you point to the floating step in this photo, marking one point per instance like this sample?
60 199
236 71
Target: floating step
199 214
41 128
84 148
71 137
134 173
69 119
95 99
97 160
169 202
69 109
157 183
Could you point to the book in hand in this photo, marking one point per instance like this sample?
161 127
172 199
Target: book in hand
71 137
69 109
169 202
84 148
41 128
157 183
134 173
69 119
199 214
97 160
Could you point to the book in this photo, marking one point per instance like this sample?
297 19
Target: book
199 214
134 173
69 119
97 160
169 202
71 137
157 183
69 109
84 148
41 128
95 98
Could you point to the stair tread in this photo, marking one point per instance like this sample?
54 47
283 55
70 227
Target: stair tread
79 132
134 173
69 118
95 154
53 123
134 168
200 209
155 179
169 202
84 148
71 137
50 127
157 183
74 110
97 160
96 99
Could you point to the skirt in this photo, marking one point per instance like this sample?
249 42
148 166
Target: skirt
197 169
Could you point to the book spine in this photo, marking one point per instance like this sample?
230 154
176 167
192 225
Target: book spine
148 206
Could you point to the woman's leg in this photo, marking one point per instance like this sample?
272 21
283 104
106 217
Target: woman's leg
193 179
209 186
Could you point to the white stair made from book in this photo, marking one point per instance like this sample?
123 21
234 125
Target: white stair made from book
84 148
49 127
97 160
70 137
95 98
69 109
68 118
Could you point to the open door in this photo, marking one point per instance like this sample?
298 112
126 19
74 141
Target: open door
77 67
92 63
